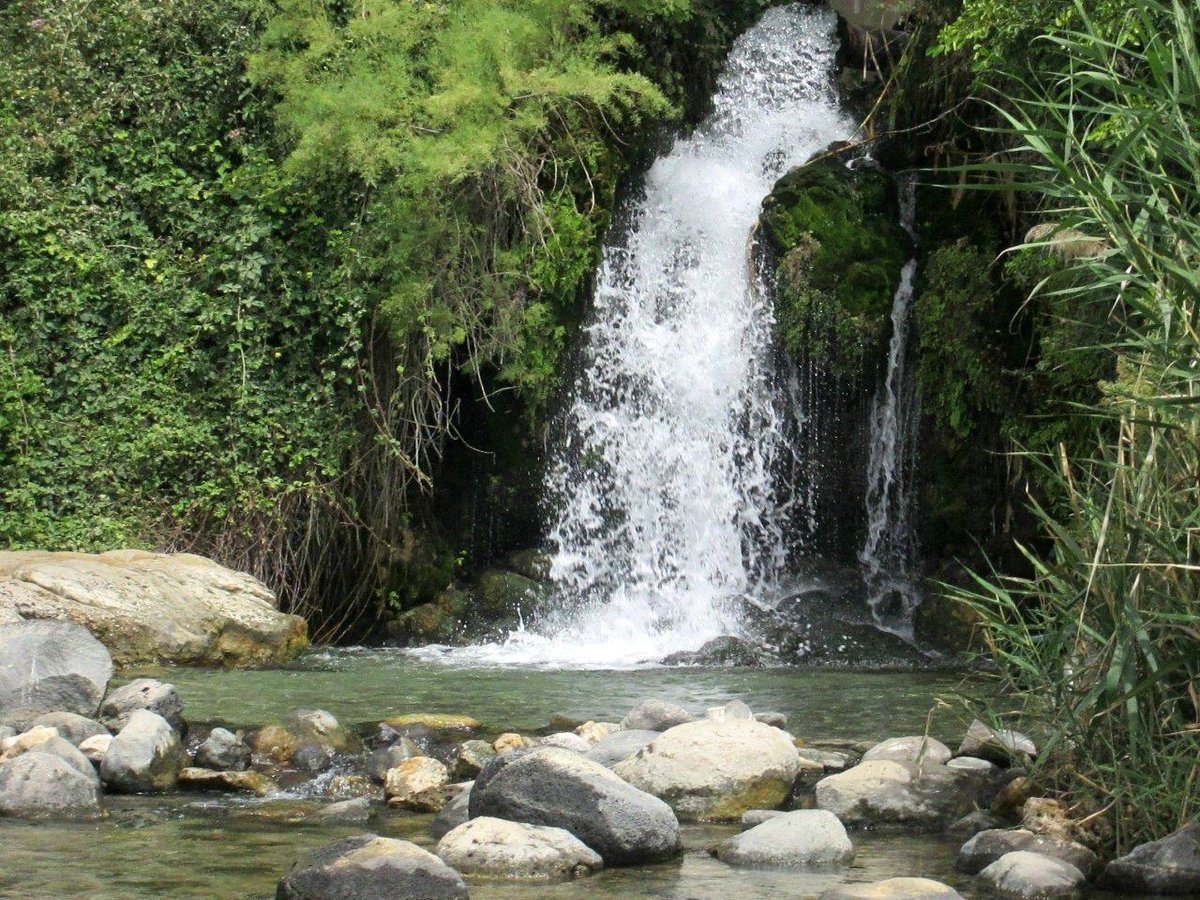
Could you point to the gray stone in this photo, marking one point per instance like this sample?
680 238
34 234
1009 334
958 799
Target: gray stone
893 889
41 784
752 818
142 693
774 719
369 867
656 715
620 745
497 848
71 726
472 757
971 824
50 667
567 741
312 759
95 747
734 709
7 731
805 839
70 754
383 759
892 792
1170 865
356 811
456 811
1002 747
144 758
829 760
196 779
550 786
974 764
223 751
915 748
1032 876
988 846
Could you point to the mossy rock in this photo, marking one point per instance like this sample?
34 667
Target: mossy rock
499 595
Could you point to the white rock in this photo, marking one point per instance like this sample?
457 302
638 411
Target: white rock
417 784
1032 876
910 749
805 839
498 848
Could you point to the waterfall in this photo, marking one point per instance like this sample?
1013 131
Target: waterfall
889 551
663 502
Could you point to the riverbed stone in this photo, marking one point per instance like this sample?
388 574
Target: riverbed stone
300 728
988 846
48 667
982 767
1170 865
383 759
144 758
893 889
971 824
774 719
312 759
595 732
71 726
11 748
752 818
894 792
1025 875
194 778
804 839
70 754
142 693
656 715
95 747
369 867
1001 746
417 784
223 751
456 811
510 741
567 741
451 724
620 745
914 748
555 787
828 760
44 785
7 731
498 848
472 757
356 811
715 771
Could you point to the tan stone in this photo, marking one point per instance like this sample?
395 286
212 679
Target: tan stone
595 732
435 722
229 782
418 784
11 748
510 741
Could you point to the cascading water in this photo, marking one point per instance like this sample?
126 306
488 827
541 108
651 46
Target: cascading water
889 551
663 498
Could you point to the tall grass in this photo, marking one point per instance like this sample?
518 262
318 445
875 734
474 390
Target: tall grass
1103 640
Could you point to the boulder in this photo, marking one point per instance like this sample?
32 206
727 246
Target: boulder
456 811
620 745
312 759
715 771
889 791
917 748
561 789
11 748
510 741
1167 866
595 732
1031 876
449 725
754 817
988 846
1001 747
48 667
70 754
567 741
71 726
828 760
142 693
144 758
893 889
302 728
472 757
94 748
196 779
41 784
497 848
223 751
383 759
153 607
354 811
774 719
656 715
971 824
369 867
418 784
804 839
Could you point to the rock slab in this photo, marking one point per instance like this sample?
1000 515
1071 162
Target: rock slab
497 848
369 867
804 839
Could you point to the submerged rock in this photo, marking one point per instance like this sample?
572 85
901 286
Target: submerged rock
144 758
49 667
1167 866
656 715
301 728
498 848
142 693
988 846
805 839
1032 876
223 751
354 811
894 889
41 784
369 867
197 779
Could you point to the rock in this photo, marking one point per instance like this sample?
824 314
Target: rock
144 758
567 741
417 784
754 817
916 748
70 754
42 784
532 564
71 726
1170 865
197 779
300 728
889 791
456 811
142 693
1031 876
498 848
893 889
7 731
153 608
715 771
722 651
974 764
454 725
1012 797
48 667
554 787
13 747
1043 815
947 625
774 719
971 824
988 846
828 760
734 709
500 597
354 811
510 741
350 787
656 715
472 757
1001 747
223 751
383 759
620 745
369 867
312 759
94 748
595 732
805 839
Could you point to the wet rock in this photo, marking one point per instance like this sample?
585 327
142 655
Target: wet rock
41 784
498 848
70 754
1031 876
383 759
715 771
50 667
351 787
1011 798
472 757
369 867
142 693
971 824
656 715
510 741
888 791
312 759
94 748
988 846
71 726
1167 866
774 719
144 758
196 779
893 889
356 811
549 786
595 732
567 741
916 748
531 564
11 748
448 724
455 812
1001 747
620 745
754 817
974 764
300 728
734 709
805 839
223 751
418 784
828 760
723 651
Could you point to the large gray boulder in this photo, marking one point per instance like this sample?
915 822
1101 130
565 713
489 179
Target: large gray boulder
620 745
152 607
1167 866
42 784
656 715
70 726
145 757
805 839
369 867
223 751
142 693
716 770
550 786
1024 875
892 792
497 848
988 846
50 667
893 889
